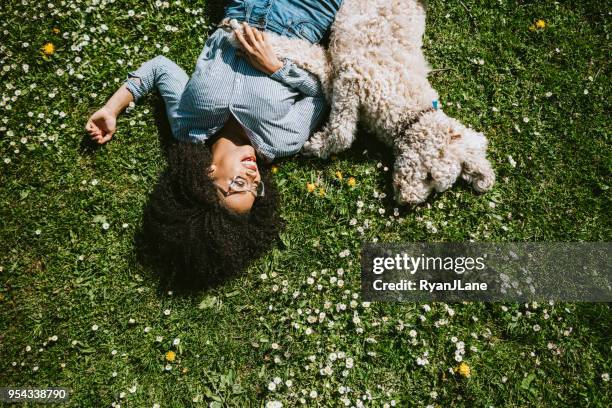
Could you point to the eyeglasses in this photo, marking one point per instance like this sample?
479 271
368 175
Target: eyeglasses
241 185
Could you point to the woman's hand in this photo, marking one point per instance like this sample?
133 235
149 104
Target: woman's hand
257 50
102 125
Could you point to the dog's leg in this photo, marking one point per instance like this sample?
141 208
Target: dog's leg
339 132
471 152
444 171
412 182
478 171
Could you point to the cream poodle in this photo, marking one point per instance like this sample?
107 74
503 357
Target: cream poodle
379 75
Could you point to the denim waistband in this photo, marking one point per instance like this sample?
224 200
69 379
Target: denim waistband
291 31
305 19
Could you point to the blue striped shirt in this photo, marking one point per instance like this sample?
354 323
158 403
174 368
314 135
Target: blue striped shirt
277 111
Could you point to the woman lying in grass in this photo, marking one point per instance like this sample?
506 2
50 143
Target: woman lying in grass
210 213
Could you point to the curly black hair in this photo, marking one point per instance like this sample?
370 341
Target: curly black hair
190 236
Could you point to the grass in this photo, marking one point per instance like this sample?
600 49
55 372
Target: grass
541 97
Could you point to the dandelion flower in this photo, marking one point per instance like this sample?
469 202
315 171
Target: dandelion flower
540 24
310 187
55 30
464 370
339 175
48 49
351 181
321 192
170 356
274 169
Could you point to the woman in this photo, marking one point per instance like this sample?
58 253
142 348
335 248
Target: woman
210 212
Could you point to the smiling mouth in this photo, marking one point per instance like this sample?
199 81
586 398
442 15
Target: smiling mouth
249 162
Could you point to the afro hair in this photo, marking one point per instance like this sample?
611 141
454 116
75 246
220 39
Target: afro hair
191 238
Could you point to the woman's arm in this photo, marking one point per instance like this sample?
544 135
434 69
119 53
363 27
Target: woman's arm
158 73
260 54
258 50
102 125
300 79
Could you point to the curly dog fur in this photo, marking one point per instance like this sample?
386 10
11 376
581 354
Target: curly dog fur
380 77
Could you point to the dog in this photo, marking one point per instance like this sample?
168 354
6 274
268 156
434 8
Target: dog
379 77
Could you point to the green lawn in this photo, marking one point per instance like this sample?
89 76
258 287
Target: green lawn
542 98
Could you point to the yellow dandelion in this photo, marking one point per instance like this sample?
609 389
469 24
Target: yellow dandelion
540 24
351 181
310 187
170 355
321 192
48 49
55 30
339 175
274 169
464 370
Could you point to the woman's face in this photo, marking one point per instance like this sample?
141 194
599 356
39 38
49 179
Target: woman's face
233 158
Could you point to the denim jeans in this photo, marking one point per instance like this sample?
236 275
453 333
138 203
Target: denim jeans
305 19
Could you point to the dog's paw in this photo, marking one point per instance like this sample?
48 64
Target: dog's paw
317 147
411 195
480 174
410 187
310 149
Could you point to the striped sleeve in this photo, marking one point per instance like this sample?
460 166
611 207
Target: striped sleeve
298 78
